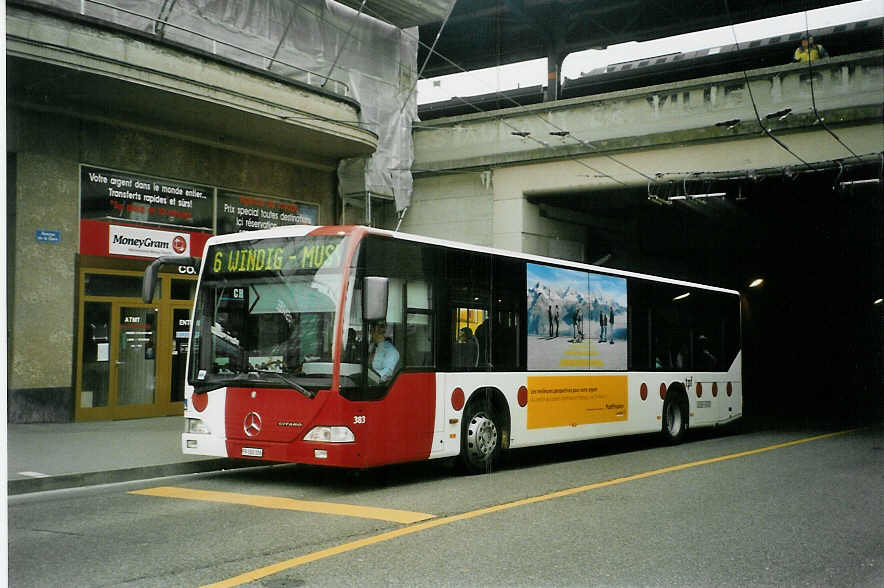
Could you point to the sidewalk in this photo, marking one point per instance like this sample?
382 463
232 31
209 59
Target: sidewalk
66 455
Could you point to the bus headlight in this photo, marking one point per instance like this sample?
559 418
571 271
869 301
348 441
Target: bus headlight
196 426
330 435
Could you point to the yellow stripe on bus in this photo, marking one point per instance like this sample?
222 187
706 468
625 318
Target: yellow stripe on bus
581 363
273 502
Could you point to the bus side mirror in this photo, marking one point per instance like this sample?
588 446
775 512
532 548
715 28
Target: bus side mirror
375 291
149 282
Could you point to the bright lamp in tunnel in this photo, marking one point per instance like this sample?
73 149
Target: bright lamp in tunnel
756 282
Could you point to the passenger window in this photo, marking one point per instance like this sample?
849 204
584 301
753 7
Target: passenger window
467 284
465 351
418 324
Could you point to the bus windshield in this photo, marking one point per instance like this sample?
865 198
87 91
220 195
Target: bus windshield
266 312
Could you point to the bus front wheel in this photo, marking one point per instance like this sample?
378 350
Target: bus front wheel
675 416
481 439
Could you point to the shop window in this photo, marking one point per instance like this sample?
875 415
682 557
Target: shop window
95 374
116 285
136 356
183 289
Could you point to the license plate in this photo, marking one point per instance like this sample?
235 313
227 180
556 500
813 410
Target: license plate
252 452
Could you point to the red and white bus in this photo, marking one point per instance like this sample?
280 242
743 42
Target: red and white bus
357 347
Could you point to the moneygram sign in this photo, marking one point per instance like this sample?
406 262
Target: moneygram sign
146 242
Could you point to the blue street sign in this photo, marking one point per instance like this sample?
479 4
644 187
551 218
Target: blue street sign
45 236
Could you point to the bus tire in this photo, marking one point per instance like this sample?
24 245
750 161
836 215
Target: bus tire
675 415
481 438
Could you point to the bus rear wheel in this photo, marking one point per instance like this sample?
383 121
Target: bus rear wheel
675 417
481 440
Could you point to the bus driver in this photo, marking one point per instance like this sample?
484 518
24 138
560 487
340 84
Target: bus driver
383 356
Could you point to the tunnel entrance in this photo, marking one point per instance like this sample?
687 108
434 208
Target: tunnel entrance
813 336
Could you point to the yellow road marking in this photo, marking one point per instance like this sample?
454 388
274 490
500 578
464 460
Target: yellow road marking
255 575
350 510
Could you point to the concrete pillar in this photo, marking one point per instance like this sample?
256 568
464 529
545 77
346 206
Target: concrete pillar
554 76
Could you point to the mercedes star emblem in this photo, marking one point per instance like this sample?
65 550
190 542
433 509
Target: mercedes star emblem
252 424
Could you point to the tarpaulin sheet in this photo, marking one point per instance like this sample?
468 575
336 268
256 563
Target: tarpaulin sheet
319 42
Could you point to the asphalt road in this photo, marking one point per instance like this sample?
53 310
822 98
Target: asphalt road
737 509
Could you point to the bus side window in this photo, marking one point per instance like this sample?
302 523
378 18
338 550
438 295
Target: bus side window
508 300
418 324
466 294
465 326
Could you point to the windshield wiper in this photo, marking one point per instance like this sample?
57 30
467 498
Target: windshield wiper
249 378
290 380
203 387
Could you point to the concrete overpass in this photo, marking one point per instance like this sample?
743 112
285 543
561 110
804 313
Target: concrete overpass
537 178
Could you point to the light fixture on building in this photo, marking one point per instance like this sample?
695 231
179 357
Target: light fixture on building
756 283
658 201
860 182
603 259
522 134
560 133
681 296
728 123
879 301
698 196
780 114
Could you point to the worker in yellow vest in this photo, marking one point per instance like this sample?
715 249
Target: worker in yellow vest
809 50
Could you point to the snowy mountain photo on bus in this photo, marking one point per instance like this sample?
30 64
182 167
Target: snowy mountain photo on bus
575 320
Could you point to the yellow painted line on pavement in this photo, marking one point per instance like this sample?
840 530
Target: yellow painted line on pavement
273 502
255 575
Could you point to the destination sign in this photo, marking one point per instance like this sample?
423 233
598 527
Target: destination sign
290 255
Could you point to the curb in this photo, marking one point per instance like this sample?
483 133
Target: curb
29 485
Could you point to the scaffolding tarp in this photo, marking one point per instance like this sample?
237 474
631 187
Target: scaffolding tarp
319 42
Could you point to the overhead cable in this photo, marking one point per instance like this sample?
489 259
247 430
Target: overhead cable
763 127
816 113
431 50
526 135
429 53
